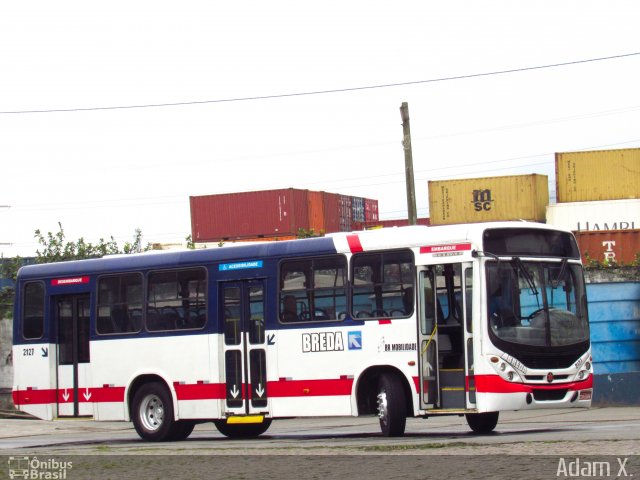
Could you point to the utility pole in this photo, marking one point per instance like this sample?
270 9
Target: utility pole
408 165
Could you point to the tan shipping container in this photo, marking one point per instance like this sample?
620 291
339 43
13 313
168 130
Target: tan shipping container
598 175
470 200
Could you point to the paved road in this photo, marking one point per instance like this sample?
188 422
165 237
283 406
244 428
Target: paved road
617 427
334 447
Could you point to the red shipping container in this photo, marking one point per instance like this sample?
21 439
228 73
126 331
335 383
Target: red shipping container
370 210
331 212
268 213
609 246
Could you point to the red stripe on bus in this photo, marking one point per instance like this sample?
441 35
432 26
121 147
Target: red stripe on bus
200 391
354 244
309 388
107 394
496 384
34 397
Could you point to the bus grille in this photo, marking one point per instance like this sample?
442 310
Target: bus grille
548 395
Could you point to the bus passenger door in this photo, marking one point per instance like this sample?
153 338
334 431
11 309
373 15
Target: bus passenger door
73 356
427 340
244 363
445 336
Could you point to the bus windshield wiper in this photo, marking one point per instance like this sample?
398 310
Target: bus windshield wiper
526 274
563 267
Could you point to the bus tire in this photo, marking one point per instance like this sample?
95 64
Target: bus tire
181 430
152 412
392 405
242 430
482 422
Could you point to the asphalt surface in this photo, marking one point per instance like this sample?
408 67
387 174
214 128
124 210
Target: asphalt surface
536 444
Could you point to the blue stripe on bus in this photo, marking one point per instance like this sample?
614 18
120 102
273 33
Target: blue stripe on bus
204 257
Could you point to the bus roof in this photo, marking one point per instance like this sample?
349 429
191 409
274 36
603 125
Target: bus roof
385 238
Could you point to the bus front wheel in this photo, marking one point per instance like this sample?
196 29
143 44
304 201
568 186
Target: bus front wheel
152 413
482 422
392 405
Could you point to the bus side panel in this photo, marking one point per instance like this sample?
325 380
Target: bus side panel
34 388
319 367
315 377
183 362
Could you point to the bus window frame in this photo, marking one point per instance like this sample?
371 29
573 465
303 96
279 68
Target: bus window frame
23 310
147 283
281 292
142 306
381 255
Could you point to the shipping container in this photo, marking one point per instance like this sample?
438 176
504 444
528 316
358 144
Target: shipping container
248 214
515 197
401 222
270 214
598 175
345 213
316 211
595 216
370 210
331 212
612 246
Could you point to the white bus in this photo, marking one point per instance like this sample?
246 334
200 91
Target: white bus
401 322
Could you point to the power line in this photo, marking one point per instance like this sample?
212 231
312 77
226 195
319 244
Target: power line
324 92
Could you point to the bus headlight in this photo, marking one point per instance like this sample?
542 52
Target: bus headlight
507 371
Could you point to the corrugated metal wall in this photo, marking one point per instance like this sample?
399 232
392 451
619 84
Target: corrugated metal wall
614 315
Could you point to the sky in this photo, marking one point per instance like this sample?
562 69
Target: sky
113 113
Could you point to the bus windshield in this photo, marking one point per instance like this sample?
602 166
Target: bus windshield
536 303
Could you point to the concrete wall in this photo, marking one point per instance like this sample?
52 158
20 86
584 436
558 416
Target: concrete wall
6 363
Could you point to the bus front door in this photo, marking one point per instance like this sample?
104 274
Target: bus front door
445 337
73 373
245 366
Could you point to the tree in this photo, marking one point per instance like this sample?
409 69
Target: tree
56 248
9 270
311 233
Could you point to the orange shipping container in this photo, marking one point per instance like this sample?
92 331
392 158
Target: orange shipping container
598 175
609 246
316 211
514 197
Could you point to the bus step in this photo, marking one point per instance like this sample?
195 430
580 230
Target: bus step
452 377
453 397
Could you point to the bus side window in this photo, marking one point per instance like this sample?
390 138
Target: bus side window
33 311
313 289
119 304
177 299
383 284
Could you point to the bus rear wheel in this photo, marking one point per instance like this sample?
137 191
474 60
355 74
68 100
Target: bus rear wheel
392 405
152 413
242 430
482 422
